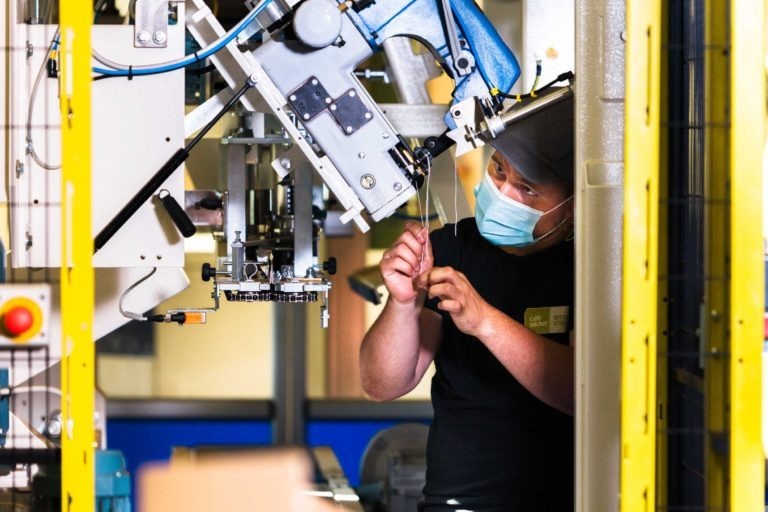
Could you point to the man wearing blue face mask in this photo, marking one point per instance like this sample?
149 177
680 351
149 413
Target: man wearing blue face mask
491 303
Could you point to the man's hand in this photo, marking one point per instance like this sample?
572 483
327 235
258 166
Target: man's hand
458 297
409 255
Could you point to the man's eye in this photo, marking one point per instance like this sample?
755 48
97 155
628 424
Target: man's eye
525 189
497 169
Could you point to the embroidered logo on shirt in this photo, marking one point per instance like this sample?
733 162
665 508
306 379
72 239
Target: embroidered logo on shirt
551 320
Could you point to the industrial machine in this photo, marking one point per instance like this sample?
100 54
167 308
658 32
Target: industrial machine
306 150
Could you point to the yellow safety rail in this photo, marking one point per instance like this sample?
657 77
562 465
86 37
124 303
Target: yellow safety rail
640 257
747 106
713 332
77 288
662 341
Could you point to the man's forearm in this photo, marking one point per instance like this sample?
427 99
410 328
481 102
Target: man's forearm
389 355
543 366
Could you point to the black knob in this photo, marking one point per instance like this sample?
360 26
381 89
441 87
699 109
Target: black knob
330 266
207 272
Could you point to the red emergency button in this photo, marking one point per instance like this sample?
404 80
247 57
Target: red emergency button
17 321
21 319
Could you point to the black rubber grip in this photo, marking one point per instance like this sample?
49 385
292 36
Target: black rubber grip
178 216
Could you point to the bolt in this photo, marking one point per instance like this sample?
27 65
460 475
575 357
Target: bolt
293 97
333 107
351 94
159 37
349 129
142 37
306 116
368 115
361 155
384 135
327 101
397 186
368 181
314 81
285 163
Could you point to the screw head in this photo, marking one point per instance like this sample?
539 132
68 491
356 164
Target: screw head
397 186
368 181
142 36
159 37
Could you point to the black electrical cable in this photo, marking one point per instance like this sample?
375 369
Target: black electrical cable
201 71
567 76
163 174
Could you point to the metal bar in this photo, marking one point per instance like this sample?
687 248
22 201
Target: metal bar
640 258
290 377
747 106
234 211
661 415
302 220
77 283
599 103
714 336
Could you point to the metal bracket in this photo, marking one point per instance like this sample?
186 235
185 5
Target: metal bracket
151 29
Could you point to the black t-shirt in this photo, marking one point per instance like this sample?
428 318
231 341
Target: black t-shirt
492 443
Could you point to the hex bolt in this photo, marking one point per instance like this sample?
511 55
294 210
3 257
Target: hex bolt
142 37
159 37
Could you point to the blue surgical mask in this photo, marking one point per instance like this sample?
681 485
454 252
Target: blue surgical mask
504 221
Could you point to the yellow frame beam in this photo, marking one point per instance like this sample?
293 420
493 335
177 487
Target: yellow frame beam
747 106
640 257
77 284
714 336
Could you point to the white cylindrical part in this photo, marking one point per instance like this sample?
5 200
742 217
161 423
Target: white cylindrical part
317 23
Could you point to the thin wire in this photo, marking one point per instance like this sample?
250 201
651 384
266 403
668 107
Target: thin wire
130 314
455 198
31 109
163 67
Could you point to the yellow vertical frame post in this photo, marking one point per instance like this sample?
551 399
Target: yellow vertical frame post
77 286
714 329
662 341
747 106
640 257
